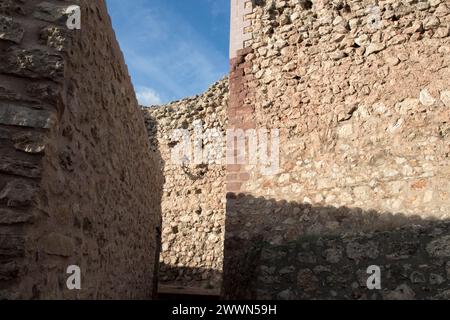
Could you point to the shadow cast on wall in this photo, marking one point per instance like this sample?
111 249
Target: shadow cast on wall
158 164
288 250
183 276
77 185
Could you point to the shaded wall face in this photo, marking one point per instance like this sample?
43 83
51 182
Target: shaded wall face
359 92
193 202
412 263
78 183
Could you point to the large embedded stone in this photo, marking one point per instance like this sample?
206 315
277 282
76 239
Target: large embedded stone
426 99
10 30
445 295
10 7
402 292
11 217
32 63
408 106
375 48
358 251
417 277
436 279
8 271
431 23
51 12
306 257
307 281
11 95
18 193
345 130
286 295
20 167
445 98
11 246
333 255
402 250
15 115
55 37
43 92
29 142
439 248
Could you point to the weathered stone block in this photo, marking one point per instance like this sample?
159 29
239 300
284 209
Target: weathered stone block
333 255
8 7
10 30
55 37
436 279
426 98
11 217
417 277
445 295
374 48
359 251
16 115
29 142
402 292
44 92
11 95
307 281
287 295
402 250
20 167
8 271
18 193
11 246
439 248
445 98
32 63
50 12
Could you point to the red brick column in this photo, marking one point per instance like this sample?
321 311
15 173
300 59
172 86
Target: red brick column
239 259
240 114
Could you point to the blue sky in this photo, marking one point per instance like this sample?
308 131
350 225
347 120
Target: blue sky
173 48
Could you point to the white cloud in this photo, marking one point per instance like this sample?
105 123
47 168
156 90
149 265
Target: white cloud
147 96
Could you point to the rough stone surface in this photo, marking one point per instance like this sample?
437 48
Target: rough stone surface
193 202
360 99
26 117
78 182
440 248
10 30
360 94
414 277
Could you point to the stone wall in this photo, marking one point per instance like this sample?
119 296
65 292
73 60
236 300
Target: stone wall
193 202
78 184
413 265
359 91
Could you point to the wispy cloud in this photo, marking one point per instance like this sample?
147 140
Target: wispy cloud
163 48
147 96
